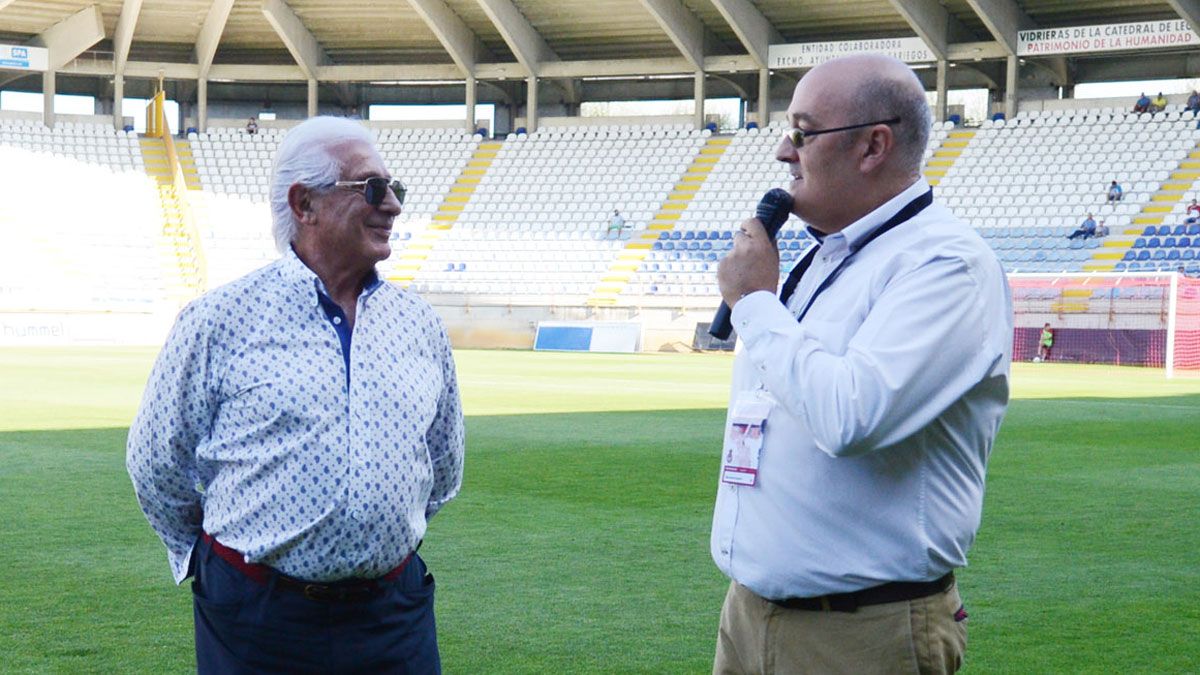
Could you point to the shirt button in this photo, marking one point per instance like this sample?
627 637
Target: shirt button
337 320
724 551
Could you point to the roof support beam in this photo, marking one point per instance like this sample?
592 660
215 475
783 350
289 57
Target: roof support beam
683 27
752 28
309 53
522 38
932 22
1188 10
1003 19
123 34
65 40
975 51
464 46
210 34
71 36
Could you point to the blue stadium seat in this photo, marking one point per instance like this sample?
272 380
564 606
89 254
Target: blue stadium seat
1143 254
1188 254
1164 230
706 246
1173 254
1133 267
1120 267
1140 242
689 235
726 234
664 235
1169 242
1130 255
668 245
1153 242
1184 242
676 235
1194 229
1159 255
1179 230
702 235
1150 231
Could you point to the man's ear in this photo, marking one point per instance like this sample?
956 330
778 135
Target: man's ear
300 202
880 142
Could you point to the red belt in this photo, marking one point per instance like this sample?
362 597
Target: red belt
338 591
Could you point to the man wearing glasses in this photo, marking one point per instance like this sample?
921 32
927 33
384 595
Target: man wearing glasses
879 378
300 428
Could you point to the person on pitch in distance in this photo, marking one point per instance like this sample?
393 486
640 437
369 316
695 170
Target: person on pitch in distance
300 427
879 382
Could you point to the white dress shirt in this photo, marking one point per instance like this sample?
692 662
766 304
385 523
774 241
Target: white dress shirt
252 429
887 398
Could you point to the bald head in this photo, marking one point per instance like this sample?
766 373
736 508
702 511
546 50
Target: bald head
869 87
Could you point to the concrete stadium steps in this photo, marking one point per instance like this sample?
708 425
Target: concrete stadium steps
613 282
946 153
1161 203
180 238
417 251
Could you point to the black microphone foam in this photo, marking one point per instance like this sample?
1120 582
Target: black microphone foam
773 210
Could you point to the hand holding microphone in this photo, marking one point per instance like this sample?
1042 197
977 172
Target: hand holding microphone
753 264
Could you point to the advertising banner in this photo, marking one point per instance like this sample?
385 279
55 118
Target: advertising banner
1106 38
809 54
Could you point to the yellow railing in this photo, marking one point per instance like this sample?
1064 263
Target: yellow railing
156 125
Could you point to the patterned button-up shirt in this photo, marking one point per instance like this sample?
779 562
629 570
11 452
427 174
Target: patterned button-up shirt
252 429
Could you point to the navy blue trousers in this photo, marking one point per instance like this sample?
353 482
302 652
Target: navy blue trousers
246 627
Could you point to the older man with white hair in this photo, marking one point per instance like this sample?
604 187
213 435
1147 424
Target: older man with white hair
300 427
876 382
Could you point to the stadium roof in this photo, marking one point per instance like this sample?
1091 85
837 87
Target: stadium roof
389 40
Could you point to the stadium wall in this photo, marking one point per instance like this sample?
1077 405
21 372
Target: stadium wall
515 326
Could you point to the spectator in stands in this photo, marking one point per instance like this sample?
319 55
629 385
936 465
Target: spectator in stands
615 224
884 388
1115 193
1045 343
1193 103
252 126
1159 103
1101 229
1143 104
1086 229
290 474
1193 213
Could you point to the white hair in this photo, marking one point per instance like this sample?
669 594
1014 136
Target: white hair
304 156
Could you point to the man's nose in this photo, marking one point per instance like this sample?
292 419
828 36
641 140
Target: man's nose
786 152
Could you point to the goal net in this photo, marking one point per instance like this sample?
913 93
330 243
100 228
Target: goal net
1150 319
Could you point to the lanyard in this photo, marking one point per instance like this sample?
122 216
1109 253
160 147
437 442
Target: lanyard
907 213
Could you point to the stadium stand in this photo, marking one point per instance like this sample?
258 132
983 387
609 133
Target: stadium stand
546 200
1027 183
78 258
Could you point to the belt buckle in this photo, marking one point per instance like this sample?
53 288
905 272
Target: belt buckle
316 592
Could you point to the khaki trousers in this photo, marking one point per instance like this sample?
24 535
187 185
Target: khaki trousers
912 636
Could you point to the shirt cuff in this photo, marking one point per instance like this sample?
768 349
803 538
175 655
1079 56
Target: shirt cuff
758 314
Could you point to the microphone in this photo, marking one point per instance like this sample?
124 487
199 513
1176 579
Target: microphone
773 210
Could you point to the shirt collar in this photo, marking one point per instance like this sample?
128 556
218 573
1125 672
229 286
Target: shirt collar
294 271
863 227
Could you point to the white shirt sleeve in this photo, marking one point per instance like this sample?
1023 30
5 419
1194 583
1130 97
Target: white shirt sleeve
174 417
918 350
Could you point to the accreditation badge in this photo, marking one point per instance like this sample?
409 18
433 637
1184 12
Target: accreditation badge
744 438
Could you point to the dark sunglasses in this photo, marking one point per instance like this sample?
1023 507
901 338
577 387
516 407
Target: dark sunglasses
796 136
375 189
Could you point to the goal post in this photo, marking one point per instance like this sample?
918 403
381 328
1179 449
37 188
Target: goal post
1147 319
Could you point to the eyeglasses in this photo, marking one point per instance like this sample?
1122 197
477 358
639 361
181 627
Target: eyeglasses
796 136
375 189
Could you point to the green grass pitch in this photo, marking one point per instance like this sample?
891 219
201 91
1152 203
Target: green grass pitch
580 540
